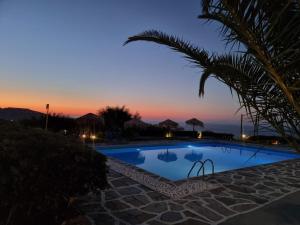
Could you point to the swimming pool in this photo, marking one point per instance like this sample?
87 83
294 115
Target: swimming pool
174 162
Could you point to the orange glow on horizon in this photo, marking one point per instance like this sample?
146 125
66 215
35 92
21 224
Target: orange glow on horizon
146 113
80 106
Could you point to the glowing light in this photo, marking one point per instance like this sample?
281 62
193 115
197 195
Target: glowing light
275 142
190 146
83 136
244 136
169 135
93 137
199 135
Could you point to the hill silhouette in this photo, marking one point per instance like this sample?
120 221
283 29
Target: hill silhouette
18 114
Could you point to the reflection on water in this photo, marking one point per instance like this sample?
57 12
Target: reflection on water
226 149
167 156
175 162
193 156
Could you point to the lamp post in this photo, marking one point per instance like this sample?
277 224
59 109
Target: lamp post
241 128
93 137
47 115
83 138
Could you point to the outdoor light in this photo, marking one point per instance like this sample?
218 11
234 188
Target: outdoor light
275 142
244 136
83 136
199 135
169 135
93 137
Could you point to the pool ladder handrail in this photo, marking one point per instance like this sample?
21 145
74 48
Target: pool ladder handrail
202 167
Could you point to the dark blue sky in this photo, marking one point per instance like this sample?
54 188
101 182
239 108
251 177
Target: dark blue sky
69 53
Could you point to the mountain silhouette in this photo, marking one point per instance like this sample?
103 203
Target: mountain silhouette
17 114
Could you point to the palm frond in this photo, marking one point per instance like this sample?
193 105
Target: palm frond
264 28
192 53
255 91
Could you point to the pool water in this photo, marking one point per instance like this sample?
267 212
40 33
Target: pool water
174 162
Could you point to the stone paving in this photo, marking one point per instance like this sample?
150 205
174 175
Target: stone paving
127 202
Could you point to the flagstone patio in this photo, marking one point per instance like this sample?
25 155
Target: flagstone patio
239 191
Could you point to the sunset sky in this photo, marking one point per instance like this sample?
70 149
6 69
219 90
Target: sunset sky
70 54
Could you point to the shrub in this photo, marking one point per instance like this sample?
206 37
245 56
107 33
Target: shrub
40 172
56 123
223 136
264 139
186 134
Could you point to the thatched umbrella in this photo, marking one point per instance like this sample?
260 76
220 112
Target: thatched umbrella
194 122
170 124
136 123
89 123
88 118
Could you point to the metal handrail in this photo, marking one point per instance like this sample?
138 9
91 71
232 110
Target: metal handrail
202 167
195 163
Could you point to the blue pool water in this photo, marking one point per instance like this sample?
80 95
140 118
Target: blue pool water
174 162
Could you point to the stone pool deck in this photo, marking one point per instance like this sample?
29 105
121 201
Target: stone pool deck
273 213
127 202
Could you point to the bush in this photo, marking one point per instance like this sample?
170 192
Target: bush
185 134
56 123
263 139
144 133
223 136
40 172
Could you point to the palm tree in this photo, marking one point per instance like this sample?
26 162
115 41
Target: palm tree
265 72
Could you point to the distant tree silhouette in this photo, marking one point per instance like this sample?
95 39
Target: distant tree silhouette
115 117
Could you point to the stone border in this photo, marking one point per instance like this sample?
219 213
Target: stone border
172 189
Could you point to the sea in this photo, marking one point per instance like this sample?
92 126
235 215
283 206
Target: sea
234 129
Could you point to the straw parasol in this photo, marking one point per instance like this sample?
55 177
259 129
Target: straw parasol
136 123
170 124
88 118
89 123
194 122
